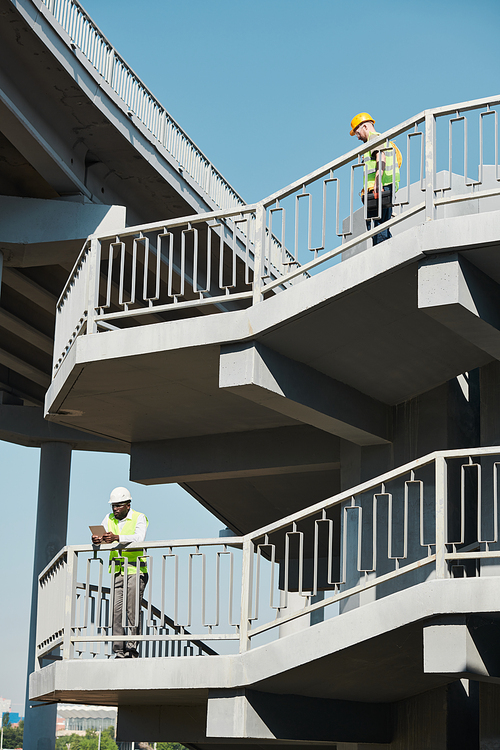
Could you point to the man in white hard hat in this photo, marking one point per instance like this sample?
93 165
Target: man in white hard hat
125 526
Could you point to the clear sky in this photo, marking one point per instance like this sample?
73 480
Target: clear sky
267 90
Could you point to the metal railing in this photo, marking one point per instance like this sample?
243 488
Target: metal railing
436 517
86 36
226 260
318 211
76 605
163 270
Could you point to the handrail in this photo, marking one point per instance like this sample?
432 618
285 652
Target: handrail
99 51
233 541
341 161
230 259
387 135
340 497
404 531
385 478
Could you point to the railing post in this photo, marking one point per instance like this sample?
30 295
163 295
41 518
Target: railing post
69 602
430 164
246 594
93 275
441 490
110 68
260 249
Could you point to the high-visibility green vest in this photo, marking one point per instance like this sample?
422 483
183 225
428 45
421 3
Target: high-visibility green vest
371 166
131 555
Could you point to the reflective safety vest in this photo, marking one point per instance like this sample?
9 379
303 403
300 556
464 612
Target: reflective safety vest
388 173
130 555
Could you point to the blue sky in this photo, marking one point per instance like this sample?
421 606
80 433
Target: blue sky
267 90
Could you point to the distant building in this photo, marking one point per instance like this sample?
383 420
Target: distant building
14 718
76 719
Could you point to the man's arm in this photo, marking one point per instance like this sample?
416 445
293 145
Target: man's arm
139 536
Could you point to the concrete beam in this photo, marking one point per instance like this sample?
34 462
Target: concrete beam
461 297
48 232
25 425
283 450
26 395
182 723
251 714
465 646
24 368
259 374
26 332
23 126
30 289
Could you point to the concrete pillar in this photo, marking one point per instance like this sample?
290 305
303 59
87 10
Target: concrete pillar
50 537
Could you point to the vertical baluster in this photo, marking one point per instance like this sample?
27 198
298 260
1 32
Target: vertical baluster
441 499
259 257
246 592
430 164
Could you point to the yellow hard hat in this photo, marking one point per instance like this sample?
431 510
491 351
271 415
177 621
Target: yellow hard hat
359 120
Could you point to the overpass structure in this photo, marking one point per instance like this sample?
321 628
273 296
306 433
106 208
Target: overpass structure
335 404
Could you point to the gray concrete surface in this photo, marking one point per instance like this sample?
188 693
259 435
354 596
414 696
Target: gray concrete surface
36 232
373 650
383 346
265 377
466 645
26 426
291 450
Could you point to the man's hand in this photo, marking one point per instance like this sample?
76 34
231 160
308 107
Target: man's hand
97 540
110 537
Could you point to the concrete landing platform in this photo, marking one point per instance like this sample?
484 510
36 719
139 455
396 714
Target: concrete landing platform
374 653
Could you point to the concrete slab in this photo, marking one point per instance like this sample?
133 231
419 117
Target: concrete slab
372 653
357 323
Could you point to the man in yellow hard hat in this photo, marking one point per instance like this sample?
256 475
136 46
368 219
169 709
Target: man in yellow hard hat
381 175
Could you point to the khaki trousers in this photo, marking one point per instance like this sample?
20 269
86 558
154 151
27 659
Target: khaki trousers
130 628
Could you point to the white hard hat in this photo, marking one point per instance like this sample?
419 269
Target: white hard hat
120 495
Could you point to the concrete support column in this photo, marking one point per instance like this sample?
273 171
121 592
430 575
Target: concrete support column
50 536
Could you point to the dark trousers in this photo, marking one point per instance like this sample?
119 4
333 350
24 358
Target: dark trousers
386 214
130 627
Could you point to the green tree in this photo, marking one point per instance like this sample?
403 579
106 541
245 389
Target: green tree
169 746
12 736
89 742
73 740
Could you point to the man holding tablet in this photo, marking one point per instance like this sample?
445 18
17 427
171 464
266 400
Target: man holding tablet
125 526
